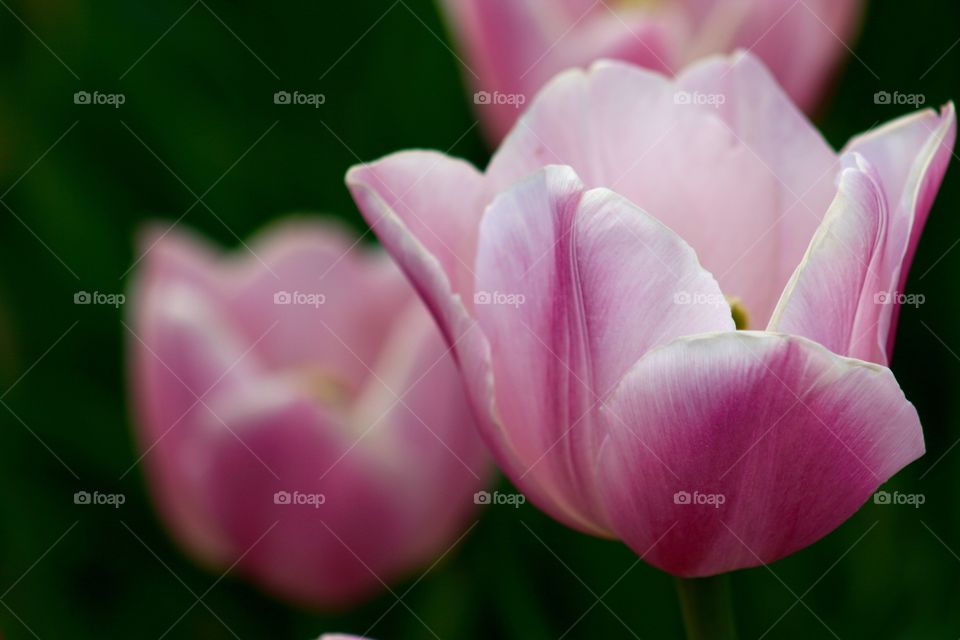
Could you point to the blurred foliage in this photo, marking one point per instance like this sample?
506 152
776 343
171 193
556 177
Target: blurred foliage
199 122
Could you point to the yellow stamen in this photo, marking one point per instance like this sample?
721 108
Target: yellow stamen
323 386
739 312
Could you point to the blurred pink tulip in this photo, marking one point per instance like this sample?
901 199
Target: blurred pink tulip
512 47
590 304
299 413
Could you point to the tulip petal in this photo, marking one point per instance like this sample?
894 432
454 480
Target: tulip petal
572 288
800 42
793 437
911 155
845 271
756 174
425 208
228 419
381 516
857 263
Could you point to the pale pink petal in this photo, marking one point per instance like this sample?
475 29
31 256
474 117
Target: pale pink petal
911 155
381 516
425 208
858 262
294 289
756 175
838 294
563 276
504 43
794 438
179 356
802 43
226 420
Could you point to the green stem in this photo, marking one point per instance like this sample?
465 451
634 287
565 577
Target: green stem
707 608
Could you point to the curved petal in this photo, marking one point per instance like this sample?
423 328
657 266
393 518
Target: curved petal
226 423
846 272
179 355
504 42
378 516
911 155
425 208
731 450
572 288
800 42
859 260
756 175
294 289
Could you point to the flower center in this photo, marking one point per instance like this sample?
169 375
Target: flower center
323 386
739 312
640 4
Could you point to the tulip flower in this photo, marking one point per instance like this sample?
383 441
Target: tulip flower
512 47
299 414
673 313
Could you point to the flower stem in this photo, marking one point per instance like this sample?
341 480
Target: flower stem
707 608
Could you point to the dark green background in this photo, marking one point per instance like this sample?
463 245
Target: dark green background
199 99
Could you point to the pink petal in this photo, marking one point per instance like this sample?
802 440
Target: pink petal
793 437
801 43
858 262
226 421
340 329
562 277
845 272
425 208
755 174
911 155
397 474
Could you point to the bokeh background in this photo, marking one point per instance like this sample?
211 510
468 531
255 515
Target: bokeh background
76 182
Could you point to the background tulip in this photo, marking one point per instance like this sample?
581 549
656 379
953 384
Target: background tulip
635 226
299 414
512 47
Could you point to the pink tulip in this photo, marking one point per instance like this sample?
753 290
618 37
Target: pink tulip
587 281
299 414
512 47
